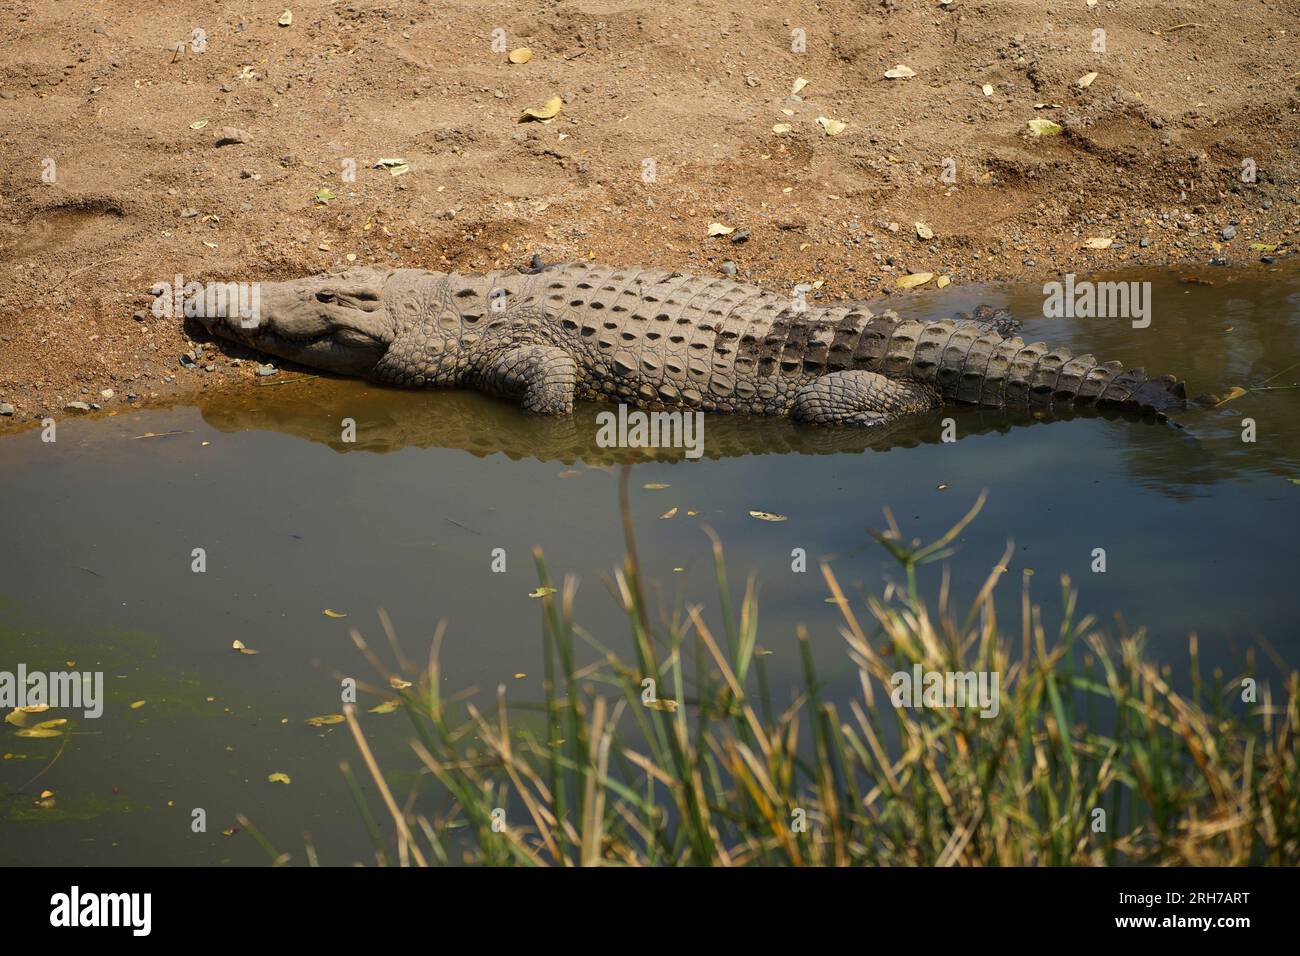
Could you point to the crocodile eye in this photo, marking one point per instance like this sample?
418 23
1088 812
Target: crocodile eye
325 295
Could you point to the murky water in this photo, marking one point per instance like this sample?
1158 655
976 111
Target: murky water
99 530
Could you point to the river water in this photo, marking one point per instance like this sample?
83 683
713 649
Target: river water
100 528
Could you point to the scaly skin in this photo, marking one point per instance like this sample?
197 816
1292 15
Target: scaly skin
666 340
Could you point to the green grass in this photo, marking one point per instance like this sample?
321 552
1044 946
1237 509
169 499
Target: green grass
595 775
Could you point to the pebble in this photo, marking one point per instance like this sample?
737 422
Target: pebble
6 408
1144 242
728 268
1228 232
265 370
106 393
230 135
76 407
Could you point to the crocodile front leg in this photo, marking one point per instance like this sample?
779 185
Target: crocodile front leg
542 377
859 397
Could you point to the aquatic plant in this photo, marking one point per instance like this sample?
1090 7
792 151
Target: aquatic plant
1092 757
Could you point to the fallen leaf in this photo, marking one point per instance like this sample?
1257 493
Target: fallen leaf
1235 392
286 18
767 516
398 683
38 732
46 794
137 704
329 613
1263 247
798 85
22 716
545 113
541 592
1100 242
924 231
325 719
832 127
1085 81
278 777
914 280
198 124
656 485
669 513
900 72
718 229
782 128
324 195
387 707
1042 127
667 706
942 281
239 646
520 56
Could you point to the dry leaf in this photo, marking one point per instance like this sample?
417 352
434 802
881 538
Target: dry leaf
1085 81
900 72
278 777
667 706
718 229
198 124
1042 127
541 592
239 646
798 85
329 613
656 485
924 231
325 719
669 513
832 127
398 683
1101 242
767 516
387 707
942 281
543 114
520 56
137 704
286 18
1235 392
782 128
914 280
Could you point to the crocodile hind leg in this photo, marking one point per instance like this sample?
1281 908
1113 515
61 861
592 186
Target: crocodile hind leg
859 397
542 377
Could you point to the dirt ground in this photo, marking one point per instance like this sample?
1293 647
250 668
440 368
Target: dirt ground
112 179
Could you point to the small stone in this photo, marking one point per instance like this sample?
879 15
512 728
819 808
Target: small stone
6 409
728 268
188 213
1228 232
138 316
76 407
1144 242
106 393
740 235
265 370
230 135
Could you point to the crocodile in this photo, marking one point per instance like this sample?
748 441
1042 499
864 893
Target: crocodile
655 339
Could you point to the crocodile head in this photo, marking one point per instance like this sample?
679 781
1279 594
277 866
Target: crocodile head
334 322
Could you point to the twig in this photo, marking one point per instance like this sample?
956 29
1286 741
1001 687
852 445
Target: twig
93 265
287 381
1183 26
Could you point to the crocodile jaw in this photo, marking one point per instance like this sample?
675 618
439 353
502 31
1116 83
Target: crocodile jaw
333 322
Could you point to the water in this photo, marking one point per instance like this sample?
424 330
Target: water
99 530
